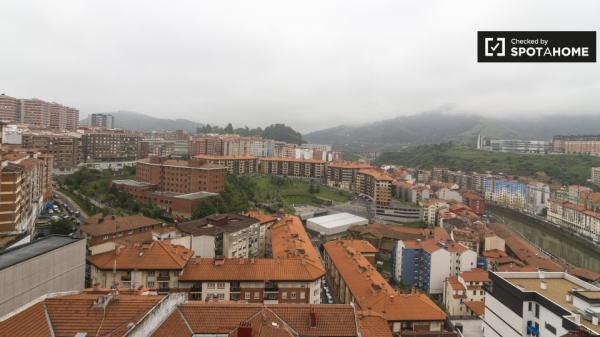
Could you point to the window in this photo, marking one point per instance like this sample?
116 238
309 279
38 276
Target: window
221 285
302 295
293 295
221 297
257 295
537 310
151 273
150 284
247 295
529 307
210 285
550 328
284 295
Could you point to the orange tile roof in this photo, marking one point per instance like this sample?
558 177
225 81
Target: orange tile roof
348 165
29 322
296 160
454 284
372 292
475 275
289 240
240 269
585 274
260 216
156 255
362 246
210 157
109 225
373 325
75 313
389 231
376 174
478 307
173 326
225 318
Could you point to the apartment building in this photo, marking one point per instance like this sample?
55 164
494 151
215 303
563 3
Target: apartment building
99 229
294 168
109 149
34 112
155 148
177 204
595 176
129 313
268 281
474 201
585 144
26 182
574 217
102 120
355 280
227 235
65 148
154 265
181 176
516 145
8 108
519 304
426 264
234 164
51 264
343 174
207 145
374 184
531 197
464 294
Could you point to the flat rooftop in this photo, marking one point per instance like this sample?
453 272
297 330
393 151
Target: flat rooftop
35 248
336 220
557 288
131 182
196 195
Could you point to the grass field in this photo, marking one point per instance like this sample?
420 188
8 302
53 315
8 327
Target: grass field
551 168
292 192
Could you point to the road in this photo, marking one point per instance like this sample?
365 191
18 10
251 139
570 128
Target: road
71 204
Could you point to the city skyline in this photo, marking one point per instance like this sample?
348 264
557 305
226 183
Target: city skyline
309 65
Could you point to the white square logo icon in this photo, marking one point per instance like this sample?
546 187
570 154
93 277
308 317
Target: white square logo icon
495 46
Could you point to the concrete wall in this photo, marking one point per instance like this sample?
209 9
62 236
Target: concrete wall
62 269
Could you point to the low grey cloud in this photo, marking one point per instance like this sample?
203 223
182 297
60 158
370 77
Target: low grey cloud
310 64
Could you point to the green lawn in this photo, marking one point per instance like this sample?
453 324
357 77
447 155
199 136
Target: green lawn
552 168
293 192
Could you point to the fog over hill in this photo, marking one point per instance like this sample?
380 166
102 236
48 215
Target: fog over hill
437 127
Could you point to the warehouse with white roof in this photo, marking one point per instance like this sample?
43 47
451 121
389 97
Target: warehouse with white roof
335 223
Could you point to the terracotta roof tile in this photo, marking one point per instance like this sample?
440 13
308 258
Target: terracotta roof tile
454 284
373 325
109 225
475 275
376 174
289 240
155 255
173 326
30 322
348 165
76 313
372 292
478 307
240 269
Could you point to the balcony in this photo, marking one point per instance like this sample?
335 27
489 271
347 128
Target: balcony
271 295
163 278
126 278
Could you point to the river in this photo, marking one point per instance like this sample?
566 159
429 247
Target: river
557 244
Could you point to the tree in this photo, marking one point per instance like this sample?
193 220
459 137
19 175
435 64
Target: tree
228 128
204 207
62 226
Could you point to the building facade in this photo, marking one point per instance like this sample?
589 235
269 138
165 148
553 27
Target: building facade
293 168
234 164
104 121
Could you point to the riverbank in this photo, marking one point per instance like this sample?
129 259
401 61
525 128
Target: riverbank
548 225
549 240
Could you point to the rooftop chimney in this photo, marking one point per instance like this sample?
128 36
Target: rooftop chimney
543 285
313 317
244 330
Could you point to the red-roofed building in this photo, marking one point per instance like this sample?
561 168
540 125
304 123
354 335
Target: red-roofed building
466 287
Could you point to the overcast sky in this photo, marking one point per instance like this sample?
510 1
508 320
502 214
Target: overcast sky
310 64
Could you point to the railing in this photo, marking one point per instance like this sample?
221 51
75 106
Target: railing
163 277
